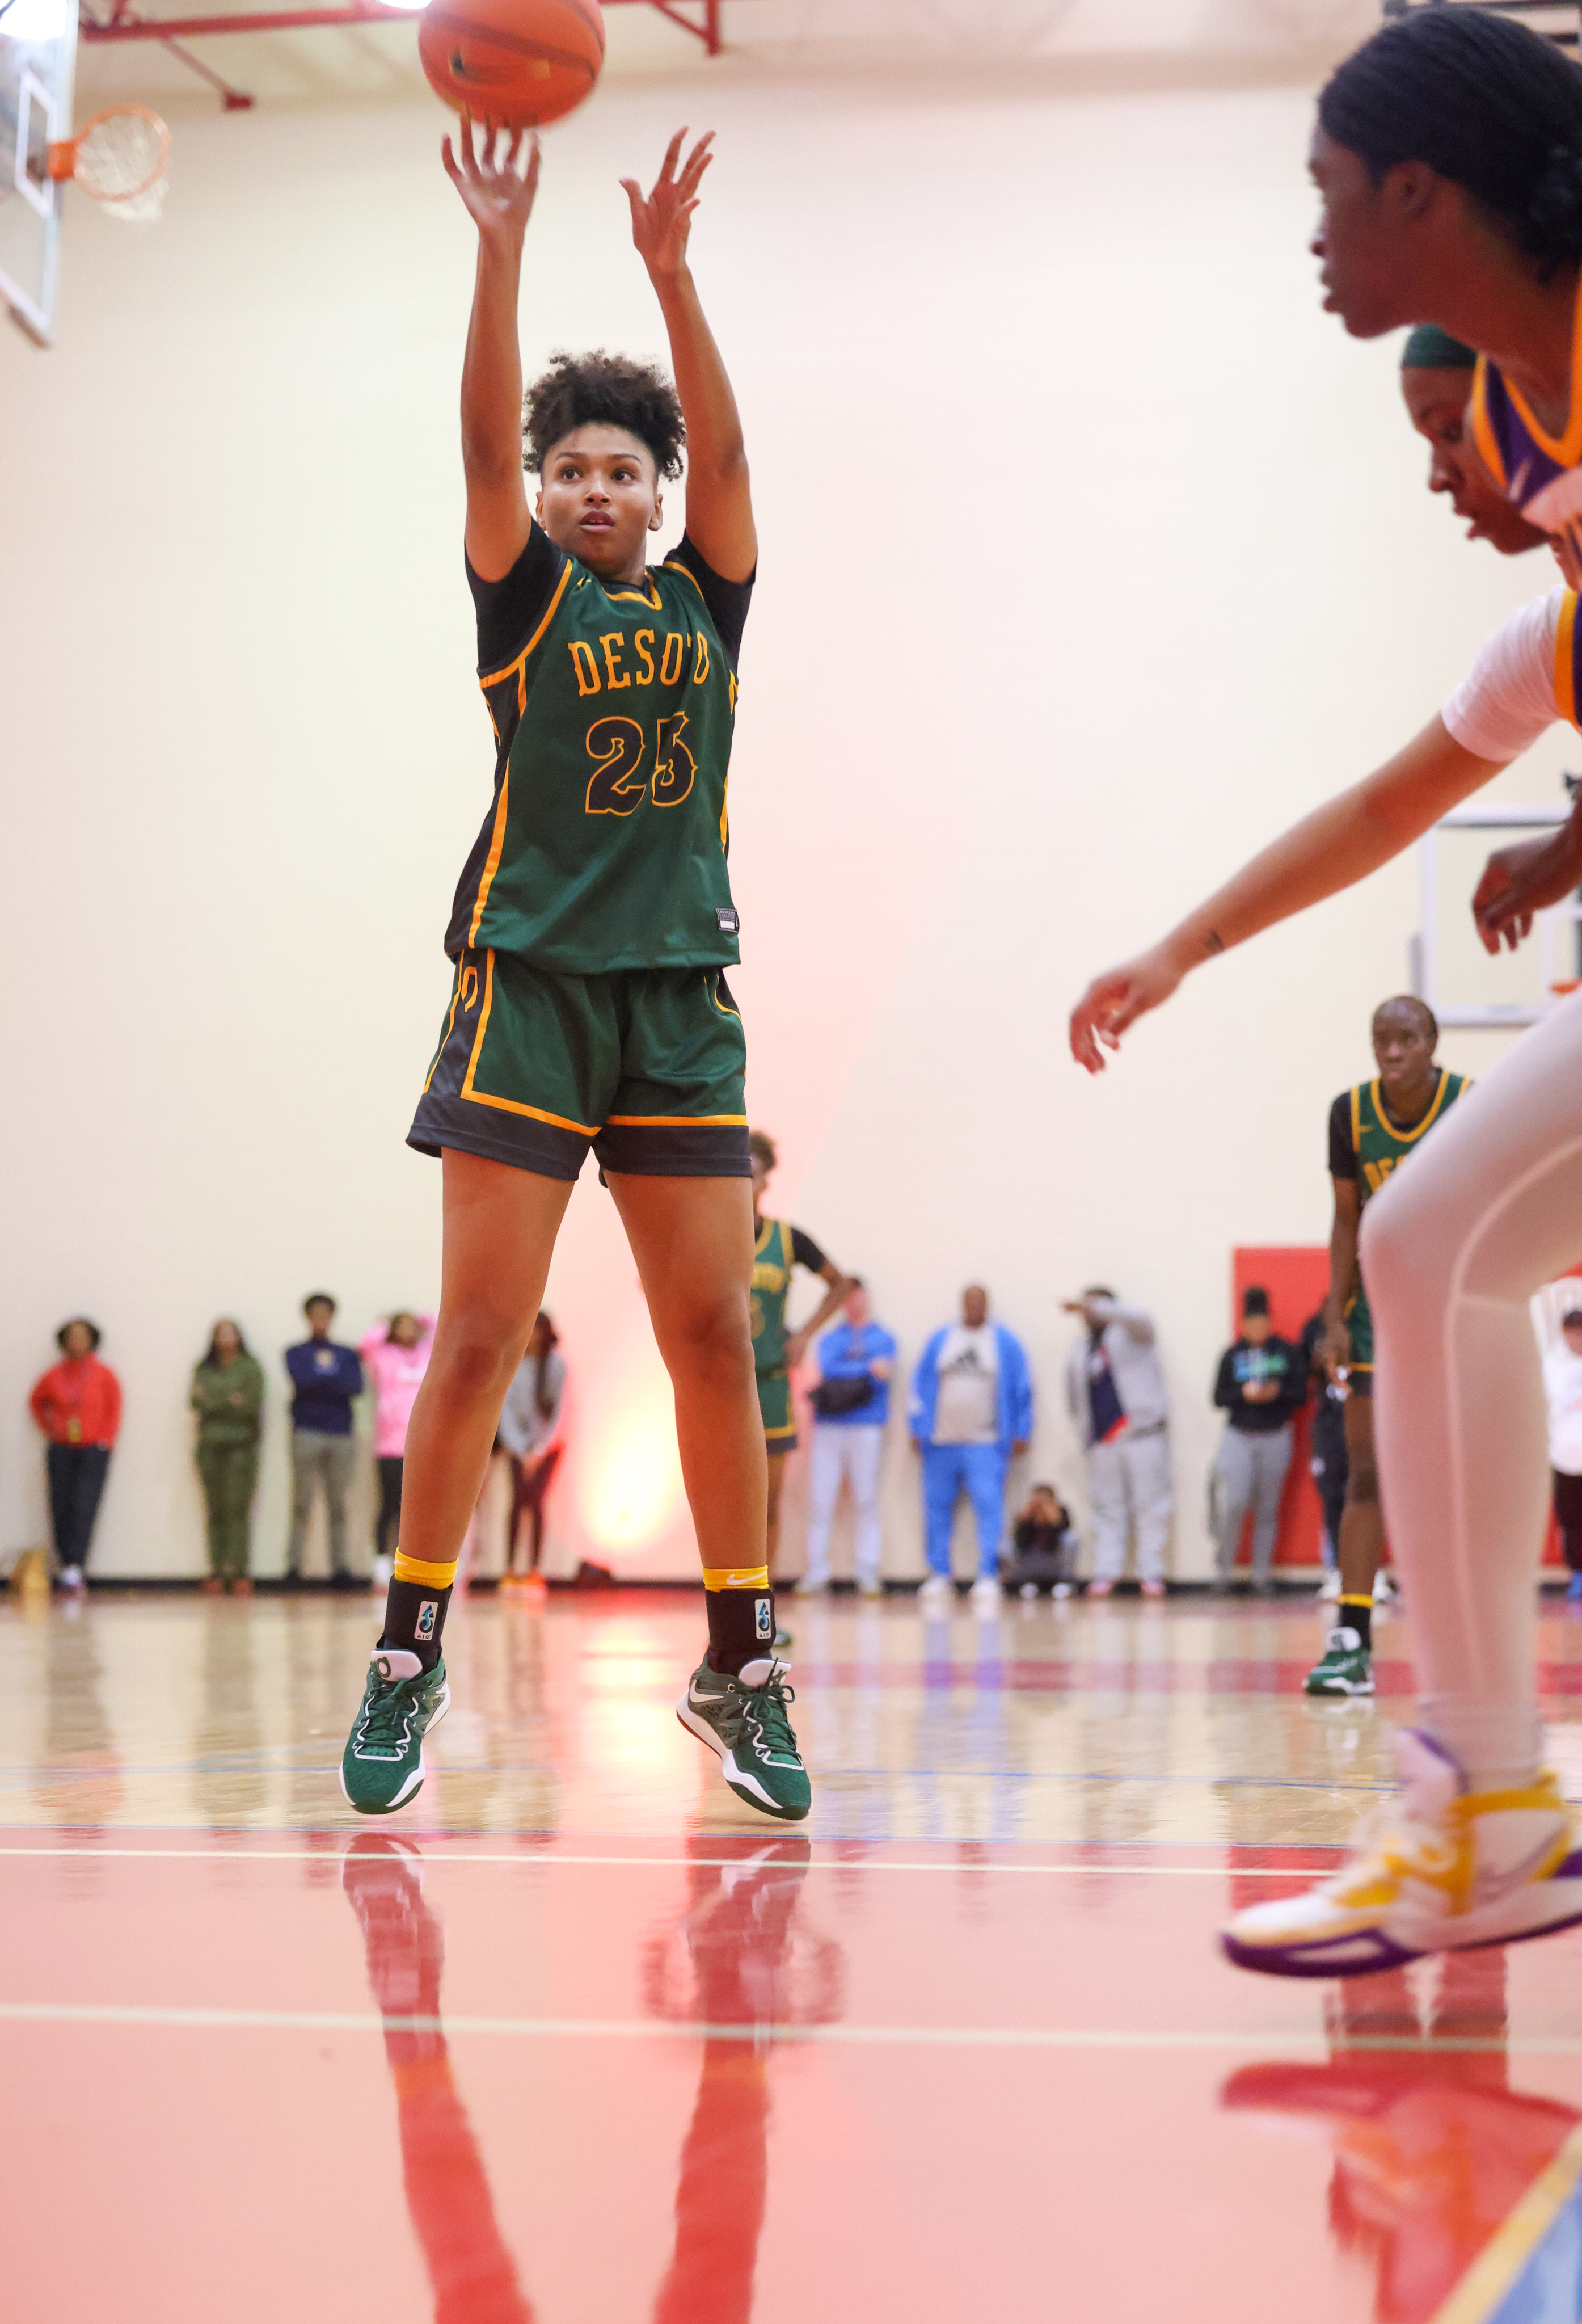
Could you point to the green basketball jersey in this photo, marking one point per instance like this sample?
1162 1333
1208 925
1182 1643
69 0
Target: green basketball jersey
771 1286
604 849
1379 1147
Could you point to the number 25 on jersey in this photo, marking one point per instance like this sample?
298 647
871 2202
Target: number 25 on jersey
624 772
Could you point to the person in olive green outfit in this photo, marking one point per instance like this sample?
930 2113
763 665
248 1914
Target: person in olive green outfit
227 1396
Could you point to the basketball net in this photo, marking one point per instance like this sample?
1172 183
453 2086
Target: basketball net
121 157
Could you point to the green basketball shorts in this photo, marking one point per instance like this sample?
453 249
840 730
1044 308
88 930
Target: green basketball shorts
1359 1322
646 1067
774 1401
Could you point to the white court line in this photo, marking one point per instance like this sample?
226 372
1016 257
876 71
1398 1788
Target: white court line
1277 2040
675 1863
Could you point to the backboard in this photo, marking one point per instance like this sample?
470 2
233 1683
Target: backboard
37 52
1449 968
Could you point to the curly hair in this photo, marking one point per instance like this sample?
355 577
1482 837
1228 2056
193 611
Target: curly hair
610 389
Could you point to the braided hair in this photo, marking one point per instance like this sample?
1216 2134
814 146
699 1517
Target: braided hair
1485 103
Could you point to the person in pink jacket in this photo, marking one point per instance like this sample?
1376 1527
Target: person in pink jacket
396 1357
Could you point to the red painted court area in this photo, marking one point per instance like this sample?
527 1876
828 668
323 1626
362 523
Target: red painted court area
963 2042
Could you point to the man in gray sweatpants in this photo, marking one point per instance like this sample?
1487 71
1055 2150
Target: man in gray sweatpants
1116 1394
1262 1385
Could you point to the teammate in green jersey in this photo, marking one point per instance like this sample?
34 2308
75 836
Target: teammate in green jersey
776 1248
1373 1128
592 931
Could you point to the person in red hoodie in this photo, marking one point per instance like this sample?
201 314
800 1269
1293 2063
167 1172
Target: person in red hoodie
78 1405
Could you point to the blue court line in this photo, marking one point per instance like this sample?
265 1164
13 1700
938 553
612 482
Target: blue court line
434 1836
1529 2272
825 1775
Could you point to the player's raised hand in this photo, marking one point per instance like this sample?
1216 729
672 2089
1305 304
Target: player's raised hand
495 175
661 221
1115 1000
1520 881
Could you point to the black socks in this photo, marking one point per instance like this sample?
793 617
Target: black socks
742 1615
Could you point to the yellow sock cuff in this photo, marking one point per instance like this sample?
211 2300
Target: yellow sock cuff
432 1577
723 1577
1345 1600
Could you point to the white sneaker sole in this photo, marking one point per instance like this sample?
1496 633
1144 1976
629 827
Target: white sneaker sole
414 1783
1539 1909
741 1780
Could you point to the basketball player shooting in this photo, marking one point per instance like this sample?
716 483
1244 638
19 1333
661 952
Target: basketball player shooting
591 934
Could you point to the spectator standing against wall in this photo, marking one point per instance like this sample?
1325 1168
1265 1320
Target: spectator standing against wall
78 1405
1260 1386
530 1430
1116 1394
852 1410
1562 1388
972 1411
324 1378
227 1396
395 1357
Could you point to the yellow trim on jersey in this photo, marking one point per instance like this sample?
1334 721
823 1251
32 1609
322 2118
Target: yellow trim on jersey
449 1029
650 597
1565 451
676 1120
519 667
731 1577
770 1435
430 1576
497 678
672 565
1483 434
1407 1137
1565 663
509 1104
1356 1125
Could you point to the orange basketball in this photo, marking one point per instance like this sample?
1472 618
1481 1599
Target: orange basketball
521 63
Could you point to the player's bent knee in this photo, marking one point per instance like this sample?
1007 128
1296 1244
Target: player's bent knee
473 1364
1362 1486
707 1338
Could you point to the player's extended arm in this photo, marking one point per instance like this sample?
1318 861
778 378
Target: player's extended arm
498 186
839 1289
1527 878
1335 1347
1334 848
719 494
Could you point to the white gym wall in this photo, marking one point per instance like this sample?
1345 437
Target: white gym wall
1092 553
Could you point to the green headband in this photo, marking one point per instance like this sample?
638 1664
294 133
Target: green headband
1428 348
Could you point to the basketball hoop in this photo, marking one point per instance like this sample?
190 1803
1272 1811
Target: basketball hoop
119 157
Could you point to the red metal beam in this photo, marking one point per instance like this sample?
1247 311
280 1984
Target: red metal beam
125 26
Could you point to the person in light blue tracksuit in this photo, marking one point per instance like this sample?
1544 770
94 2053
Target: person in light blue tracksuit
972 1408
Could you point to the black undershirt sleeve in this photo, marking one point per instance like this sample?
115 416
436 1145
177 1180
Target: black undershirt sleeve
727 601
805 1252
1342 1152
509 609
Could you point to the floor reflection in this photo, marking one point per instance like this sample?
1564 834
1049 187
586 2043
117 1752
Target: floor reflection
1432 2150
741 1965
737 1963
448 2195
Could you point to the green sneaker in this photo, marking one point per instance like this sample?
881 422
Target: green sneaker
1346 1668
744 1720
382 1767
